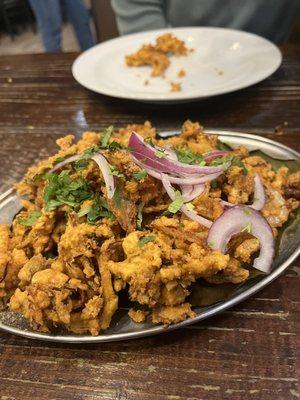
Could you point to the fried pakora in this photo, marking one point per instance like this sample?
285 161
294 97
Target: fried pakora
74 248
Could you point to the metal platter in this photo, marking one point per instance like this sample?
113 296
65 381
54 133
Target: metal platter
122 328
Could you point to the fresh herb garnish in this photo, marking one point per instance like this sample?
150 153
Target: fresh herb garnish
212 244
139 175
117 197
234 160
98 209
61 189
115 172
89 152
190 206
105 136
145 240
140 216
31 219
247 228
59 159
223 146
187 156
80 164
160 153
176 204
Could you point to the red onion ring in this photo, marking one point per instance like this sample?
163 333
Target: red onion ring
143 151
259 195
64 162
233 221
210 155
190 192
187 180
190 214
100 160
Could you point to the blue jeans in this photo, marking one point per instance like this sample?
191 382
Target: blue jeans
49 17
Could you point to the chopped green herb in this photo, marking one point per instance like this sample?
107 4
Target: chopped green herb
80 164
139 175
145 240
99 209
160 153
234 160
117 198
212 244
115 172
176 204
247 211
140 216
223 146
31 219
59 159
190 206
247 228
89 152
187 156
105 136
61 189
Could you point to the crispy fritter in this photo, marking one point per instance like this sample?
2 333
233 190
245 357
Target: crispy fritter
71 252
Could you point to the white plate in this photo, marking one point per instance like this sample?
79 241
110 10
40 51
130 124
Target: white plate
223 61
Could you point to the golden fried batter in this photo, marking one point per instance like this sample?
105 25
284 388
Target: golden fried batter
72 252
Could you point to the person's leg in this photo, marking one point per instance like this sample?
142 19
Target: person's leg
78 15
48 15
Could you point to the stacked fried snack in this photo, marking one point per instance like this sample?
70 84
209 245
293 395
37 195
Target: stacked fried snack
158 55
72 250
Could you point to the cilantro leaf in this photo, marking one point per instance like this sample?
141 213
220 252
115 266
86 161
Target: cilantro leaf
140 216
105 136
31 219
176 204
61 189
115 172
89 152
117 198
234 160
247 228
98 209
187 156
145 240
223 146
140 175
80 164
160 153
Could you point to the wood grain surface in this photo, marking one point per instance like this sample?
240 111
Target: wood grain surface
249 352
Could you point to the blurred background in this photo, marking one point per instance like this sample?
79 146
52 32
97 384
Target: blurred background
19 33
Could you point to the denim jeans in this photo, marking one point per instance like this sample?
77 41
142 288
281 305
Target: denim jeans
49 17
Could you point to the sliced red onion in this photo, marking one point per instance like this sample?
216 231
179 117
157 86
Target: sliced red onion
65 162
100 160
259 199
234 221
214 154
189 193
259 196
146 153
187 180
189 213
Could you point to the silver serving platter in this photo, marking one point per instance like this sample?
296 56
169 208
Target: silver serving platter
122 328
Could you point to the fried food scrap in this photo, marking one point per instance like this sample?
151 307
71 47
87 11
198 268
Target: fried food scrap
181 73
175 87
72 252
157 56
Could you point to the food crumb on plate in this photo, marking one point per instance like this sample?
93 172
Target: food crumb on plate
175 86
181 73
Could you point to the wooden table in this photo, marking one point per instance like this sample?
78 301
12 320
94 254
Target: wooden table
248 352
